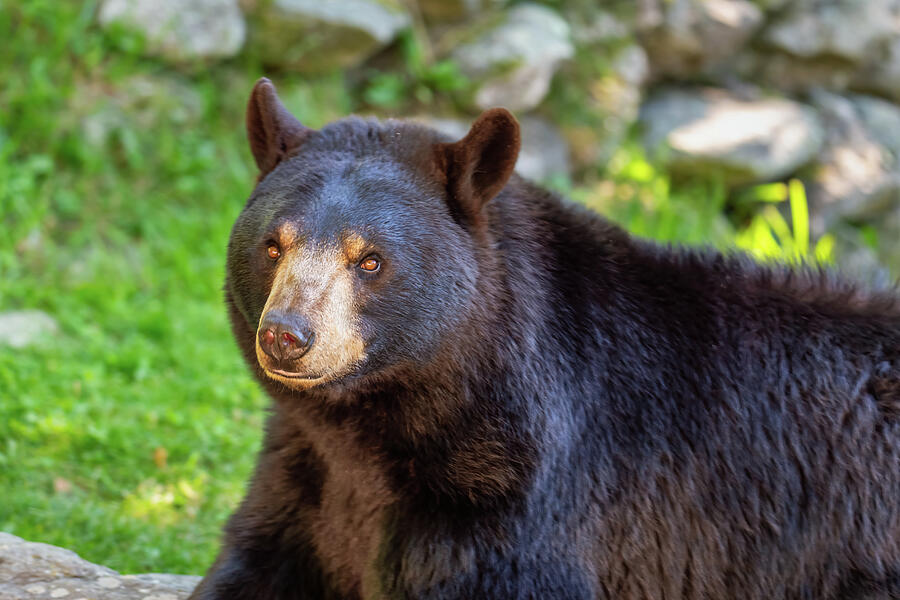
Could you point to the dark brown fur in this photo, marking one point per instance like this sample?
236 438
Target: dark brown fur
548 407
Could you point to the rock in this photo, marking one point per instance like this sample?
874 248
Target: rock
455 10
858 177
794 74
32 571
455 129
772 5
544 152
881 73
882 119
745 141
513 61
687 37
839 45
887 231
315 36
180 31
22 328
592 25
610 104
140 101
847 29
857 259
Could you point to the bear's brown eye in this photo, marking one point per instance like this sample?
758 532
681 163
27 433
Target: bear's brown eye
370 264
273 251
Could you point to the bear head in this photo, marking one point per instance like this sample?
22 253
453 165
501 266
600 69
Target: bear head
358 250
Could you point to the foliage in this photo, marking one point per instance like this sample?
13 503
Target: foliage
769 236
129 436
421 79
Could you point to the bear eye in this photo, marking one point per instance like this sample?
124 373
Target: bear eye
273 251
370 264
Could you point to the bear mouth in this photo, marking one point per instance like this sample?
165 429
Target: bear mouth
293 375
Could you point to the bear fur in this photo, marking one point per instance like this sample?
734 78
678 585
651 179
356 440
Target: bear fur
524 401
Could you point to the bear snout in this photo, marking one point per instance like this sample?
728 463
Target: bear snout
285 338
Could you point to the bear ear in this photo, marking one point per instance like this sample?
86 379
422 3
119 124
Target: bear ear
478 166
273 131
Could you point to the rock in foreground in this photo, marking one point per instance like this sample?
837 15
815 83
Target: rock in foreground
35 571
21 328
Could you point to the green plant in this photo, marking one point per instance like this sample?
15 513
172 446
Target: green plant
422 77
768 235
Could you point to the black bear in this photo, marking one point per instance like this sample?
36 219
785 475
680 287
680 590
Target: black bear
482 391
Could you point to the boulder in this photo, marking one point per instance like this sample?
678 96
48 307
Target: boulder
22 328
455 10
794 74
594 25
315 36
838 45
180 31
139 101
609 104
744 140
857 259
512 61
858 178
847 29
544 152
687 37
881 72
32 571
887 232
882 120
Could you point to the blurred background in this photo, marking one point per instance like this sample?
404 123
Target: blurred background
128 423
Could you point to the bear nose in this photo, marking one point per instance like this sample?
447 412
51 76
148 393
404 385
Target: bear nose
285 336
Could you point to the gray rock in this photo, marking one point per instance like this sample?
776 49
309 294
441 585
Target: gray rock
178 30
855 258
593 25
888 231
35 571
746 141
858 177
848 29
794 74
881 72
686 37
544 152
611 103
140 101
882 119
455 10
772 5
313 36
22 328
453 128
513 61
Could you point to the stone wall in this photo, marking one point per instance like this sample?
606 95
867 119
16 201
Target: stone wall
747 90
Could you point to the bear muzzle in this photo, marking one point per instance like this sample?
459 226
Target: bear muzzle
284 338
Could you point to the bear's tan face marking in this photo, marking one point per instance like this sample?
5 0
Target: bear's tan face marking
316 281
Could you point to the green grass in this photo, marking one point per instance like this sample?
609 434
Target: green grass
129 435
121 238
